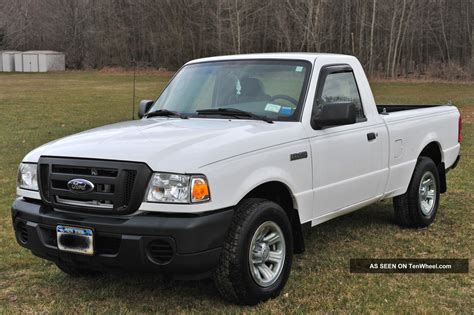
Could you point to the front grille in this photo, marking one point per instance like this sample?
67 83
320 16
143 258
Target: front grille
119 187
160 251
129 180
65 169
43 181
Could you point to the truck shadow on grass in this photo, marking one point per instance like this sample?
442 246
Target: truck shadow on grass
349 234
326 243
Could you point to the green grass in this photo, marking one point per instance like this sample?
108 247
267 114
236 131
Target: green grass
36 108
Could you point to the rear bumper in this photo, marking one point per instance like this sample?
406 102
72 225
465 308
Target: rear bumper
190 245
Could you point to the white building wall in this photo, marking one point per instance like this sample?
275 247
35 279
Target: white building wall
30 63
18 62
42 63
7 61
33 61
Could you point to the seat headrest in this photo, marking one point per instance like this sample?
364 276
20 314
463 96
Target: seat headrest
251 87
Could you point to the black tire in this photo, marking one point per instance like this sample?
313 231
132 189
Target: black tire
233 277
77 272
408 208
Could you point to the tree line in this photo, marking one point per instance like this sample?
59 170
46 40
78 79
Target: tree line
390 37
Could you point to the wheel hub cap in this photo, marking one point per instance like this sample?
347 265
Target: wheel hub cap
427 193
261 252
267 254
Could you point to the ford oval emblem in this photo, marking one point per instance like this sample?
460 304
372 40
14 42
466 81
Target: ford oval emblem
79 185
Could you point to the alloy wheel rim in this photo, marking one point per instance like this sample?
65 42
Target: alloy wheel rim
267 254
427 193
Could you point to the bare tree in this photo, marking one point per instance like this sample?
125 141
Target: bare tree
390 37
372 27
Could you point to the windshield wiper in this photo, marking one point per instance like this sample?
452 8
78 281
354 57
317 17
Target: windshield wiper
165 112
237 113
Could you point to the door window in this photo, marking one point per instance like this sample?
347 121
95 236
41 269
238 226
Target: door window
340 87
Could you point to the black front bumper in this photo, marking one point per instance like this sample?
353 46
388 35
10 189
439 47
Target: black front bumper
182 245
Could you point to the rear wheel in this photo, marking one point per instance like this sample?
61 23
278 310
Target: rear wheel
419 205
256 260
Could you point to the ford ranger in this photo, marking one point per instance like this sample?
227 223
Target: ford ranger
223 170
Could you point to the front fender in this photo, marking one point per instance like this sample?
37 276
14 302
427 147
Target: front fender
231 180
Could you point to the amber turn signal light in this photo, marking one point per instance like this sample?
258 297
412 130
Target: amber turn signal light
199 190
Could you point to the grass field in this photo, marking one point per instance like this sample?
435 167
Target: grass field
36 108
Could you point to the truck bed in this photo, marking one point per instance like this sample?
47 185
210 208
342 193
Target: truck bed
386 108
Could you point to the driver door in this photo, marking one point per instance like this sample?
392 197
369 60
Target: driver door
346 160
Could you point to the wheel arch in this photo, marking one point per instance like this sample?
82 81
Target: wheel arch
433 151
281 194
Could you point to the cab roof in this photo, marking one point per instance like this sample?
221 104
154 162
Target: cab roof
282 56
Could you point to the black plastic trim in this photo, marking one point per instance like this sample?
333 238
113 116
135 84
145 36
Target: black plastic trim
442 178
386 109
196 241
142 174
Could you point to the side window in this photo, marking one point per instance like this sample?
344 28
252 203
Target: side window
339 87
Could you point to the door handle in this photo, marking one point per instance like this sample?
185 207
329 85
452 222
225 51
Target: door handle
371 136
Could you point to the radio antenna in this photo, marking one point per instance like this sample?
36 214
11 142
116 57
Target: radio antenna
134 83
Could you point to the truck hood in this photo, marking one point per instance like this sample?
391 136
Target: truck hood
172 145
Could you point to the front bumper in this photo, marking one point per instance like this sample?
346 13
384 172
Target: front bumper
185 246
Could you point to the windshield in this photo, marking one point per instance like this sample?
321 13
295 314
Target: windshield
269 88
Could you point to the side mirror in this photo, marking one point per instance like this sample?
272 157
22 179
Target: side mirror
144 107
335 114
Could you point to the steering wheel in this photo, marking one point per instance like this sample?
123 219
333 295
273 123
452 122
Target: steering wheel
286 98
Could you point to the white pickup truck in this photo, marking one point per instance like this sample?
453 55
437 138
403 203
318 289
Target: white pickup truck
224 168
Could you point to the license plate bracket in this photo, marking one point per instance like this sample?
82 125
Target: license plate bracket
74 239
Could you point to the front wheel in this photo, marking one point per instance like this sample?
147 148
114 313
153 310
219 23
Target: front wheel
418 206
256 259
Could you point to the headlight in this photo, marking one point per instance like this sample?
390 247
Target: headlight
27 178
177 188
